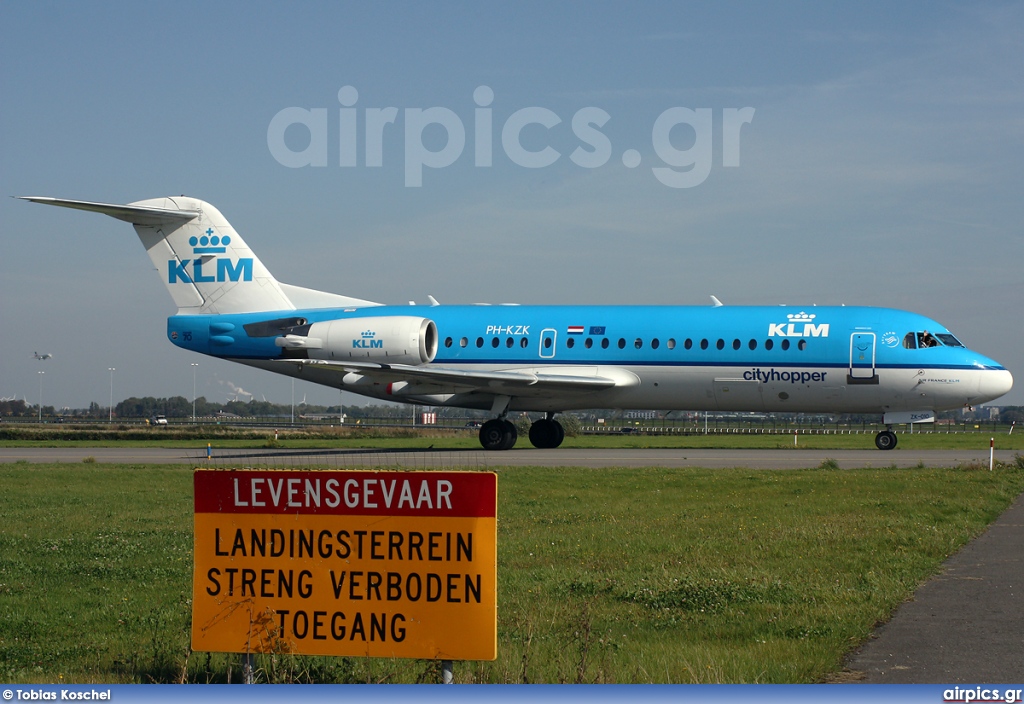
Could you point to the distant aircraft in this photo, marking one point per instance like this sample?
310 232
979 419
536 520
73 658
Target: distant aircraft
550 359
42 356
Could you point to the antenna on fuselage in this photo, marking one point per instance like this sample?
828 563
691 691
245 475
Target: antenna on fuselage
716 303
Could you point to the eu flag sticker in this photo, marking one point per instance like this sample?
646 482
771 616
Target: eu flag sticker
597 329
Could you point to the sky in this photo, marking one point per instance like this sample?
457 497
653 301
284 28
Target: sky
796 153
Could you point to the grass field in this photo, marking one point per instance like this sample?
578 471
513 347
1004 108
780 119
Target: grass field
620 575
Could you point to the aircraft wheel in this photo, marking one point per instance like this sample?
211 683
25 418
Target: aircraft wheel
492 434
546 433
511 435
498 434
885 440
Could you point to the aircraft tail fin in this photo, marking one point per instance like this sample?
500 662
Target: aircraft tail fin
205 264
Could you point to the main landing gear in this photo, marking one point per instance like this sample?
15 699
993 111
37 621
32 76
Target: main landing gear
885 440
501 434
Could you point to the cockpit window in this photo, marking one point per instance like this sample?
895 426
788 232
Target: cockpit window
923 339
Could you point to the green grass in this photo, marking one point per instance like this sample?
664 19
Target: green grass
619 575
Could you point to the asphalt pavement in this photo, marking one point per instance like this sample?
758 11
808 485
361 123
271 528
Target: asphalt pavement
966 624
431 458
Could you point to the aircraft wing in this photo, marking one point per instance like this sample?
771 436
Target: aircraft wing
516 382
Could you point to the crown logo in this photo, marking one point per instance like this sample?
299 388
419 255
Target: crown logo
209 243
368 334
800 317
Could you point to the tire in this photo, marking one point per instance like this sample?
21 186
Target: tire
560 431
546 434
885 440
498 434
492 434
511 435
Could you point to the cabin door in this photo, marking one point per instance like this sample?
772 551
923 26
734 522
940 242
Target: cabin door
862 357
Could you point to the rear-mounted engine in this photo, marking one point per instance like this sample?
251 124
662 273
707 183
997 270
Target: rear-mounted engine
390 340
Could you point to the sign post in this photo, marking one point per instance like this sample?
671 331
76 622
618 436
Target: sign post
347 563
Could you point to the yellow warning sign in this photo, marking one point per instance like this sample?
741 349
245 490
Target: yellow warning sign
377 564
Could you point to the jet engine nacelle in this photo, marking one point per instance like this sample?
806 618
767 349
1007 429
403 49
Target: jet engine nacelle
388 339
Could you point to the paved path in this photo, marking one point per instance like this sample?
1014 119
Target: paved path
966 624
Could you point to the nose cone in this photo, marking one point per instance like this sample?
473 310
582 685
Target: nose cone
994 383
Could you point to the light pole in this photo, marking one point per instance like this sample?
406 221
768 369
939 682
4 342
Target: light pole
110 408
194 365
41 396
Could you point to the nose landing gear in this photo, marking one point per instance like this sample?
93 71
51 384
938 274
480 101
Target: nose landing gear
885 440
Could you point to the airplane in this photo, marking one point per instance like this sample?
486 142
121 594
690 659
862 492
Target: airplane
41 357
550 359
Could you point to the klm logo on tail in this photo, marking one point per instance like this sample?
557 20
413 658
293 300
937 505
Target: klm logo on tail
224 269
367 341
799 325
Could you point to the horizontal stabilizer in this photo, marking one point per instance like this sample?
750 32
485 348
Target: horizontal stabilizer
135 214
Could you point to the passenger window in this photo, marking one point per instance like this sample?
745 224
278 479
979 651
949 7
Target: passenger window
802 345
463 342
752 344
768 344
735 344
688 344
447 342
509 342
622 343
524 342
720 344
494 342
654 344
604 343
479 342
638 343
671 343
785 344
547 343
704 344
569 342
588 343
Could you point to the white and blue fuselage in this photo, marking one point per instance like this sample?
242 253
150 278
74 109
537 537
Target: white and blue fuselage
551 359
727 358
